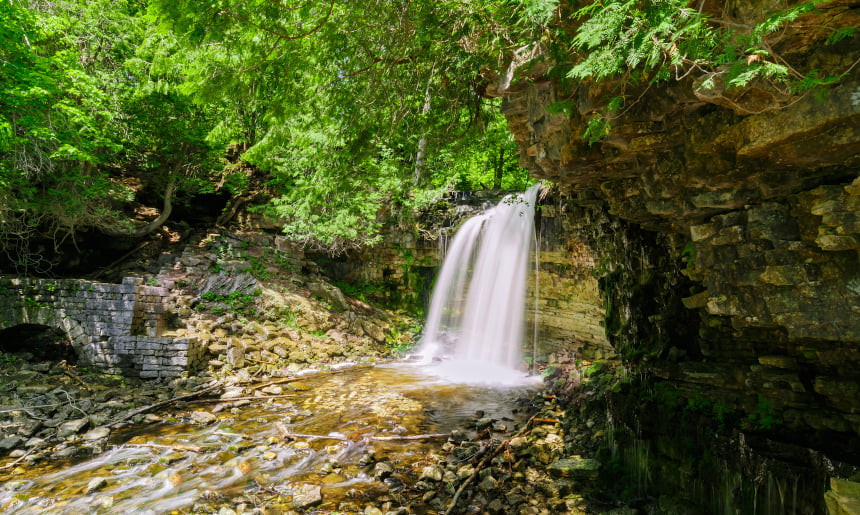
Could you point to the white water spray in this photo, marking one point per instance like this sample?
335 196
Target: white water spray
477 310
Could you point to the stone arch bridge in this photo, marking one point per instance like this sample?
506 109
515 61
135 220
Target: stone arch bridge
117 328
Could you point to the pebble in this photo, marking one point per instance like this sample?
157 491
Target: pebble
10 442
33 442
97 433
231 392
71 427
432 472
203 417
95 485
382 470
305 496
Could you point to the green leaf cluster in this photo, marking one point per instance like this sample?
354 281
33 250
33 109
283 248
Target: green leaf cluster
633 43
348 113
80 111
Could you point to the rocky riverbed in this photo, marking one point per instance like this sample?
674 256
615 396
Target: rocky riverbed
244 444
295 412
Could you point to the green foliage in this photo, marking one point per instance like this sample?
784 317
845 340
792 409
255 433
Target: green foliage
540 11
34 303
78 108
353 112
236 302
403 338
362 291
764 417
359 111
632 43
642 39
688 253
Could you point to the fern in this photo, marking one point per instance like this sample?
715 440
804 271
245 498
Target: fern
631 41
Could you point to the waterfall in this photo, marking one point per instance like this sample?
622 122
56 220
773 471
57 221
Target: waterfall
474 326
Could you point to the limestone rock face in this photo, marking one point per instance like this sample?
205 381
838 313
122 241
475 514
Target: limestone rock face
756 187
723 254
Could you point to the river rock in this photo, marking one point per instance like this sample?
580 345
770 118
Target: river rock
382 470
34 389
66 452
489 484
305 496
29 428
235 357
203 417
10 442
575 467
97 433
71 427
432 472
483 423
232 392
95 485
843 498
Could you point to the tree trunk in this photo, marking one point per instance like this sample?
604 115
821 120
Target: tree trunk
156 224
499 169
418 172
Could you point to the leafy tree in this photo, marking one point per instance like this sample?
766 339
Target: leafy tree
80 110
352 111
365 106
57 127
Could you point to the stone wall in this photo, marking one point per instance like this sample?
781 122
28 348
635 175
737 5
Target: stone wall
114 327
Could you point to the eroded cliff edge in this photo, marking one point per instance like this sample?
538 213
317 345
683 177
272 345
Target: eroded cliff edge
727 259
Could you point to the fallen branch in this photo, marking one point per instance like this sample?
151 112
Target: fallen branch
23 408
22 458
160 404
175 447
484 462
286 433
399 438
224 433
227 401
68 371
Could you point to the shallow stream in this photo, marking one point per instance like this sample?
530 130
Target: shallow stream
319 437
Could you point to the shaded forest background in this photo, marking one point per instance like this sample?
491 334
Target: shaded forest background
330 116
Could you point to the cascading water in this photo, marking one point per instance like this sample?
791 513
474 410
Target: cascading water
474 327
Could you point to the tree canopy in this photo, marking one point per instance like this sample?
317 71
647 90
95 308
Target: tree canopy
341 110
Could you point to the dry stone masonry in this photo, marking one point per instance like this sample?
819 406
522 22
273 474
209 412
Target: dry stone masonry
117 328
